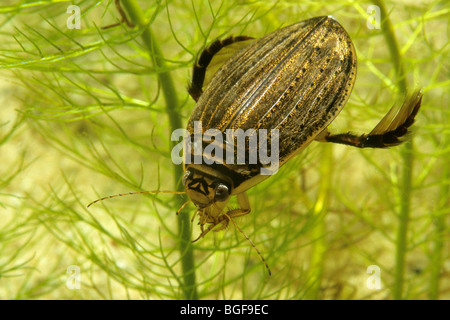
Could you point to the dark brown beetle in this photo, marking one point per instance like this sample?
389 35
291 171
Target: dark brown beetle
294 81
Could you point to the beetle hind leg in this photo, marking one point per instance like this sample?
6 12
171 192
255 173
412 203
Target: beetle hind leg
390 131
195 88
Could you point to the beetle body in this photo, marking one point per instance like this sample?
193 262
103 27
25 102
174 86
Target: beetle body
294 80
290 85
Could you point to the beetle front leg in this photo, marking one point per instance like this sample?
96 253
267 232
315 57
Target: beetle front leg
244 208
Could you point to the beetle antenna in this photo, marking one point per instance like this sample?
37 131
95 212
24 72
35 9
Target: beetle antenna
184 205
253 245
139 192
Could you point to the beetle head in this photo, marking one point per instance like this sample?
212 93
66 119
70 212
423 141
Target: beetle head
205 189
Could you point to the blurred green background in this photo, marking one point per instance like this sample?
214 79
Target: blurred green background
84 114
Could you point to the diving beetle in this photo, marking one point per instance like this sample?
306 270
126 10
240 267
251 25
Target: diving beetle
295 80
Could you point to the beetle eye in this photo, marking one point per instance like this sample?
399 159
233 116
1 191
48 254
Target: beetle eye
186 176
222 192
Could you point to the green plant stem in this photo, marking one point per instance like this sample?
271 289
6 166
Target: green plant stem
404 217
407 156
319 211
439 236
136 15
439 217
394 51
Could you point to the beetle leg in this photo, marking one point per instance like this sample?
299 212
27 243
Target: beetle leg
223 219
209 215
244 208
211 226
198 74
243 202
388 132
